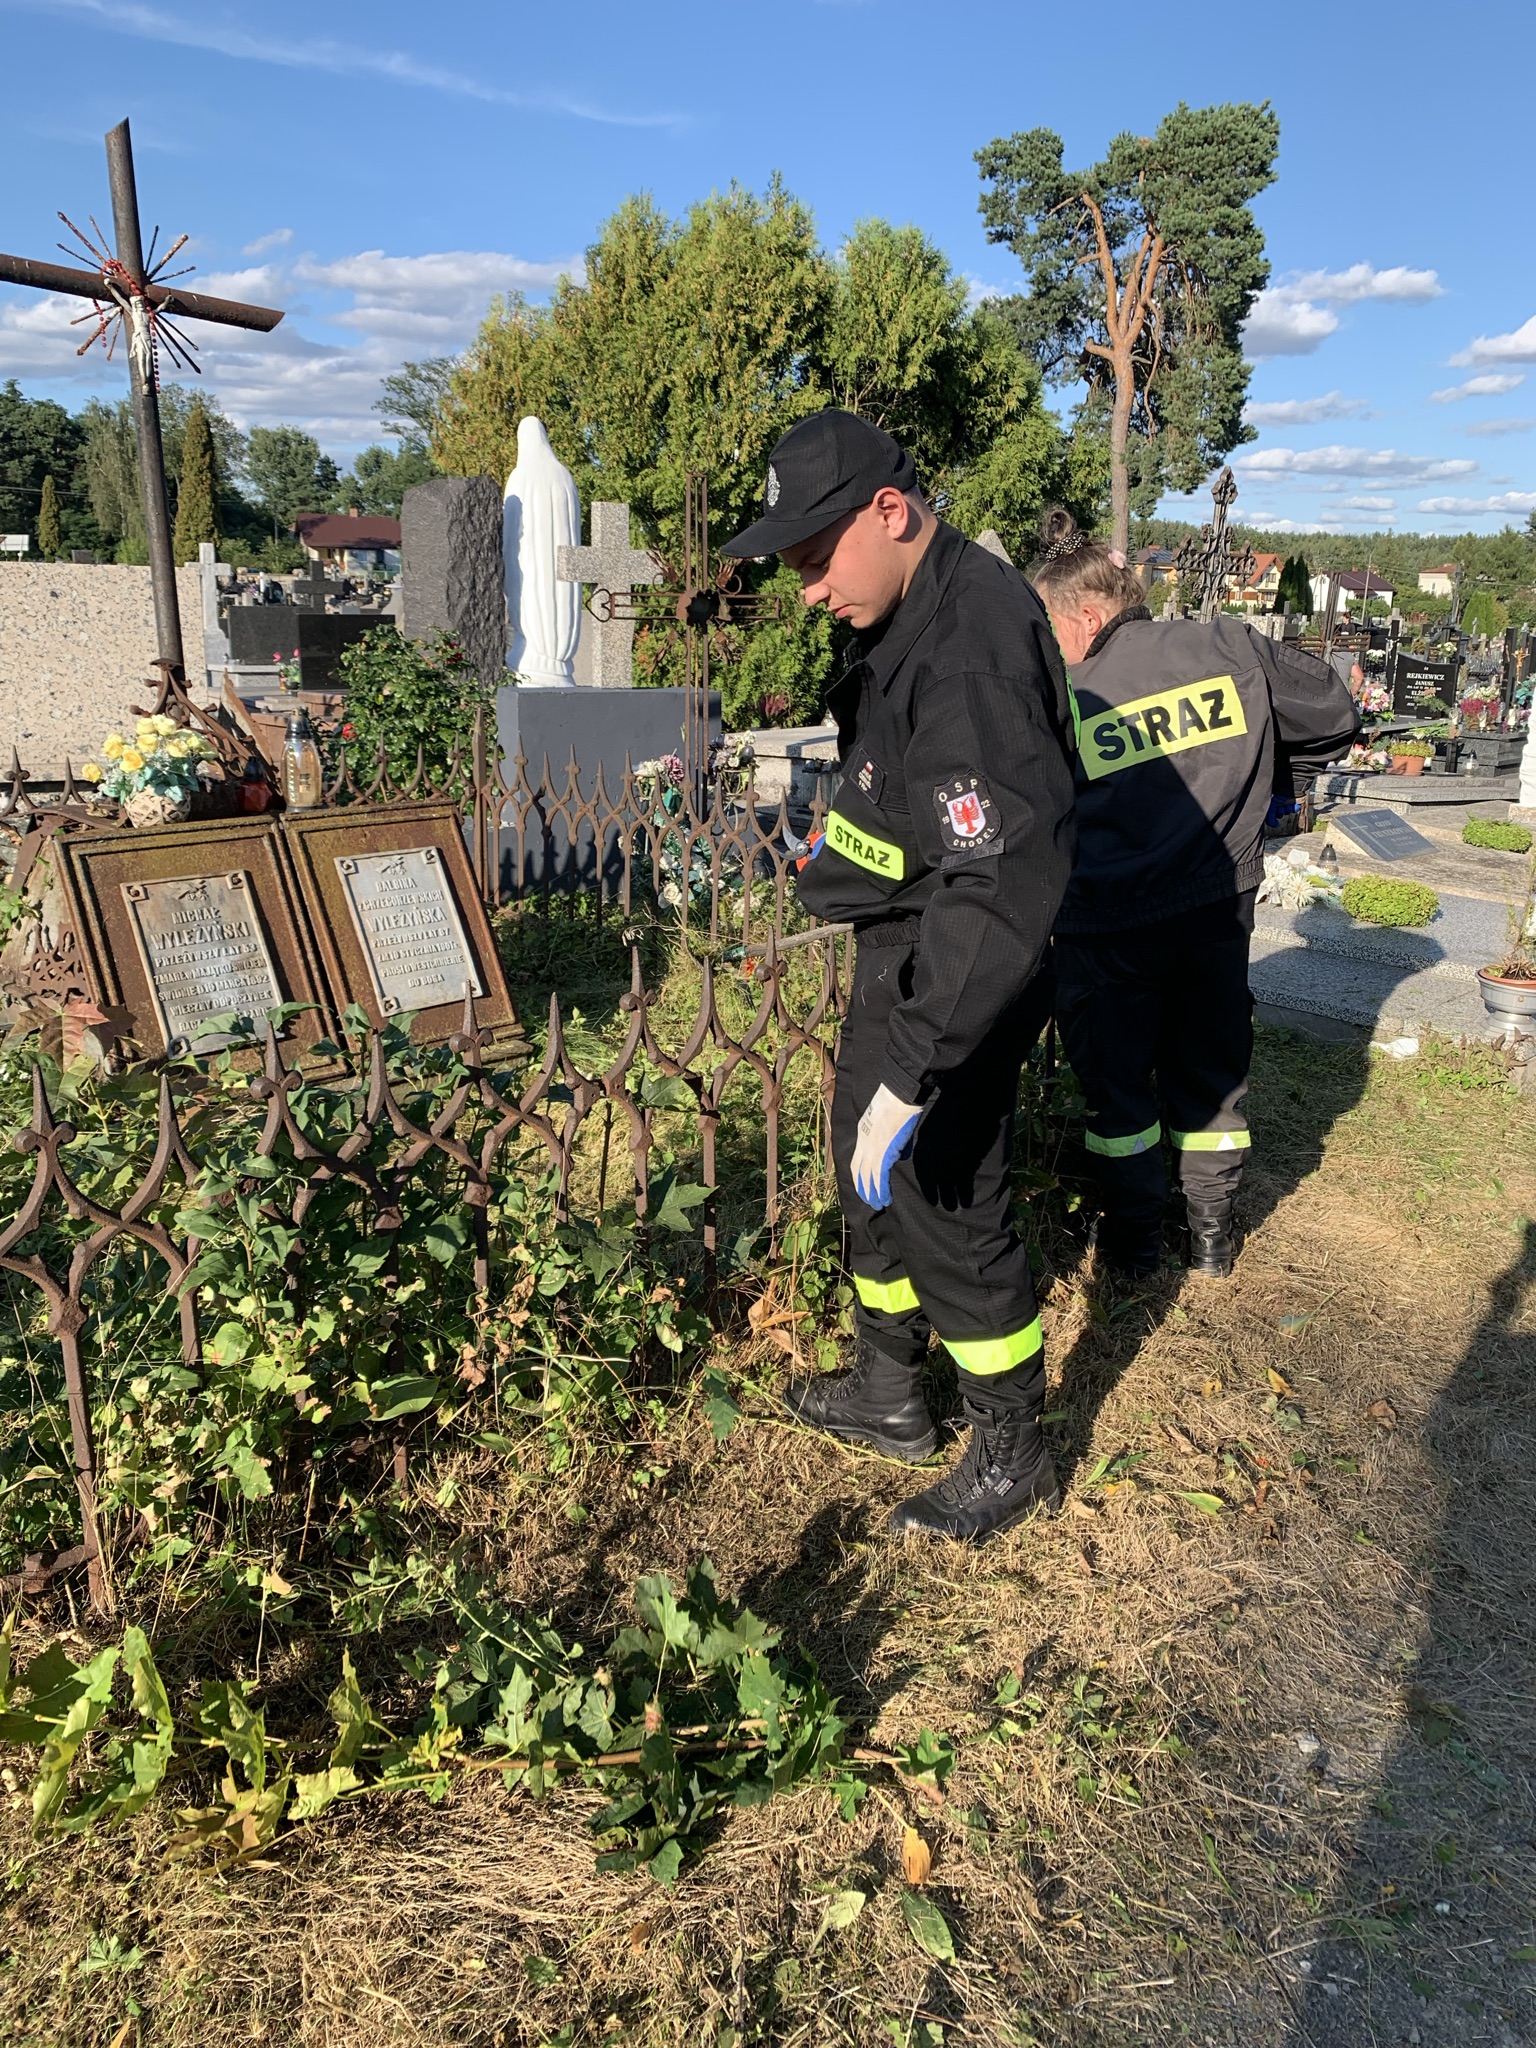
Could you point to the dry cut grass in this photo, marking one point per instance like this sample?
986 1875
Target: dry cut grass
1262 1775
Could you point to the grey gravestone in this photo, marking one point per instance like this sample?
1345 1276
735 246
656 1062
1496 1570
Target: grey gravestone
451 573
1381 834
992 541
215 639
204 953
613 568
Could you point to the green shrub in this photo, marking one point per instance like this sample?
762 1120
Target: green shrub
402 696
1376 900
1491 832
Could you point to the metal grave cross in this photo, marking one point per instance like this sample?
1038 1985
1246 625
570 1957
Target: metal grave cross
1211 560
613 568
133 299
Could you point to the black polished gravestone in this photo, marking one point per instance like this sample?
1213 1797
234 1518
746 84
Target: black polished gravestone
1381 834
262 633
1413 679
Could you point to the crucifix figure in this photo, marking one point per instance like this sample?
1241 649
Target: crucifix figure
133 300
1211 560
613 568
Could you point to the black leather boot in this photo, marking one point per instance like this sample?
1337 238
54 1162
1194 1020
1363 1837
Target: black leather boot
878 1402
1005 1475
1211 1245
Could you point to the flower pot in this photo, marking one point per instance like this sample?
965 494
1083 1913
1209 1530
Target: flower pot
1407 764
149 807
1507 998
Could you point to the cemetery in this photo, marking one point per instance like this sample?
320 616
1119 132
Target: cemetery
422 1622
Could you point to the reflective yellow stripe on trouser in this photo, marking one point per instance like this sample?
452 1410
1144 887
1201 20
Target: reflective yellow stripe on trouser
894 1297
1124 1148
985 1355
1211 1141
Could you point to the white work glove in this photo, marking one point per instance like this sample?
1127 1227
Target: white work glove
885 1135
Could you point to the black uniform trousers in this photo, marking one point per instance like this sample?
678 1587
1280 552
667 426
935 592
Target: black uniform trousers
1158 1020
944 1255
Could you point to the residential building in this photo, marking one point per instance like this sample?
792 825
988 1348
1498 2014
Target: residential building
351 543
1352 589
1438 582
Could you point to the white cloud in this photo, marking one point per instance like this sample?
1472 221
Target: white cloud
1368 504
1495 427
1506 501
1492 384
1292 319
277 45
1305 412
1516 347
1362 281
1282 326
394 306
278 239
1369 464
425 302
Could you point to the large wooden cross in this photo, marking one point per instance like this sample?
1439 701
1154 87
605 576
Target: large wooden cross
133 299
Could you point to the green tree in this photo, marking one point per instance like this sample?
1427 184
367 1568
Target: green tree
49 539
112 478
695 343
197 490
409 399
38 439
380 477
1295 586
1141 271
287 470
1484 615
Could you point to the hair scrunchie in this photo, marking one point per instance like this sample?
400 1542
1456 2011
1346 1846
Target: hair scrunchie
1069 543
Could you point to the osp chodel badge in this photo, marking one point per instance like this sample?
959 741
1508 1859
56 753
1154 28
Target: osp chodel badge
967 814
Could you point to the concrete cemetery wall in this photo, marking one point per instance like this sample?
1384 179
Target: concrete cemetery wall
76 640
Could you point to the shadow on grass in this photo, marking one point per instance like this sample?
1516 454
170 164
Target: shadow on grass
1299 1089
1433 1928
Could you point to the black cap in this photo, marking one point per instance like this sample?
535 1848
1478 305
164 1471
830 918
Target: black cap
827 465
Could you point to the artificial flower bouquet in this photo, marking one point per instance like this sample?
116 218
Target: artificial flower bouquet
153 775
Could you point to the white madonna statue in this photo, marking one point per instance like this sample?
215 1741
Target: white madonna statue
541 514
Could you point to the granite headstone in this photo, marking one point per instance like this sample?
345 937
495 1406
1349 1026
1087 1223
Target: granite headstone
452 578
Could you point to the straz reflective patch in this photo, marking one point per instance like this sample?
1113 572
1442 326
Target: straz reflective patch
864 849
1173 721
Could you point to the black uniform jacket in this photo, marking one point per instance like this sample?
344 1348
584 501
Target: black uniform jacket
1187 730
952 824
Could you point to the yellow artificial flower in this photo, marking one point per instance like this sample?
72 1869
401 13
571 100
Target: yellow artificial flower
112 746
178 749
133 760
162 724
92 771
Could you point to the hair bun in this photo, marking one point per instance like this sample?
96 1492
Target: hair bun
1060 535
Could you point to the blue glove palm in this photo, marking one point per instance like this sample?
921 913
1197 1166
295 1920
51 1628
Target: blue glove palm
885 1135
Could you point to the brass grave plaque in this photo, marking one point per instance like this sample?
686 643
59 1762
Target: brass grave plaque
407 922
205 955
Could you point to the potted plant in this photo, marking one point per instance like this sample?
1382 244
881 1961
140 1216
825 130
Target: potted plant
153 775
1509 984
1408 756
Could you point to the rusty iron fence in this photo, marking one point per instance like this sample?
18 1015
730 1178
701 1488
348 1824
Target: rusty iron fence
555 1100
707 862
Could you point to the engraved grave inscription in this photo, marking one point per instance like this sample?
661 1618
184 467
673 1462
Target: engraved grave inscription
204 953
409 927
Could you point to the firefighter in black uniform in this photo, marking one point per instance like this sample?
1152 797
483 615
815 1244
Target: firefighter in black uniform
1187 731
948 847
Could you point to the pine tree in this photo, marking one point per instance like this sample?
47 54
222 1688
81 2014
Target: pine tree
48 540
196 500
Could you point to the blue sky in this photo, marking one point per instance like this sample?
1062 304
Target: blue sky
381 171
